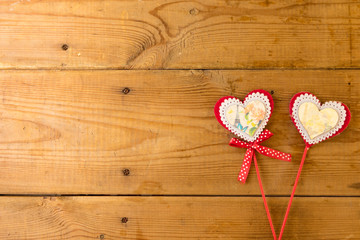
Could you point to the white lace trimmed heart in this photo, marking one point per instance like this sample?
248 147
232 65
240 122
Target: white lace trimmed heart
256 96
331 128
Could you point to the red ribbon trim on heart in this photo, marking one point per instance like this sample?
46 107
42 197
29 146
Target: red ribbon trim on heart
245 168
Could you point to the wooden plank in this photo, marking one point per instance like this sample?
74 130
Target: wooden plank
73 132
175 218
175 34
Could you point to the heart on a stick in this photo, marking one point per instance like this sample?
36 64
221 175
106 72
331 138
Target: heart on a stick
317 122
247 118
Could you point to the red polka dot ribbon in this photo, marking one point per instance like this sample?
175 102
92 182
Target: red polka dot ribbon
245 168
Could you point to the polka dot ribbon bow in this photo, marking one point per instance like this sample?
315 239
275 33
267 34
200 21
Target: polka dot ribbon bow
245 168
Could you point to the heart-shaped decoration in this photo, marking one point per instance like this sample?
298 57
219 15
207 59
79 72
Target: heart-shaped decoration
245 119
317 122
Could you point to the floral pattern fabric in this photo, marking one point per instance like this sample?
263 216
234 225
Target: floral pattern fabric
317 122
246 119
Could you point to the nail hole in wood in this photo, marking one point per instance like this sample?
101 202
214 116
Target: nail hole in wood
102 236
349 83
126 90
272 92
124 220
126 172
65 47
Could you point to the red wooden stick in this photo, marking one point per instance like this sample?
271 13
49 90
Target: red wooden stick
264 199
293 191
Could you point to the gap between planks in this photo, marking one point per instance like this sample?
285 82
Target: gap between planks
183 69
176 195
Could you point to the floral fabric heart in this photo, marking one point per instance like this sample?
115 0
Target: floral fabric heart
245 119
317 122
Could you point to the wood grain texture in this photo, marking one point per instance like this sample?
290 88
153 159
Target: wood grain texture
73 132
175 218
67 128
179 34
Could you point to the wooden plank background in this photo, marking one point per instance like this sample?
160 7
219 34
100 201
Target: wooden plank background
80 159
179 34
174 218
70 132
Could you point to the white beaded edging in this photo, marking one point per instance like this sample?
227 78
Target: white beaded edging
332 104
234 101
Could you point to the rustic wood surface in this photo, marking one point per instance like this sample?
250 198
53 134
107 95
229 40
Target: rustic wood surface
70 132
107 128
174 218
179 34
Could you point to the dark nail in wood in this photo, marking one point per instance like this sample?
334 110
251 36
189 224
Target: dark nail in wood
65 47
126 172
126 90
124 220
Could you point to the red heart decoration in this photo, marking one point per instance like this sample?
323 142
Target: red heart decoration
248 118
317 122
